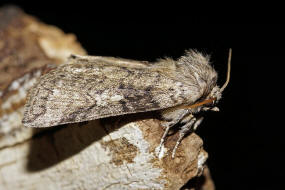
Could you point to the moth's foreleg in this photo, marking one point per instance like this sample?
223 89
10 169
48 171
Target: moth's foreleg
178 117
191 125
182 132
197 123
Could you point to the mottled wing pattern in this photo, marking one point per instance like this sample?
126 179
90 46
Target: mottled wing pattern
86 90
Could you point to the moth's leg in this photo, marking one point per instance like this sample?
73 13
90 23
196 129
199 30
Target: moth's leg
212 109
170 124
182 132
191 125
197 123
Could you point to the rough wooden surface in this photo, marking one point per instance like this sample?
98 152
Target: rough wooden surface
112 153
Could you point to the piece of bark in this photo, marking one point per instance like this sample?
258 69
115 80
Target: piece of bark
98 155
111 153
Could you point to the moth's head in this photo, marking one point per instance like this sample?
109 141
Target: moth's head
210 102
216 93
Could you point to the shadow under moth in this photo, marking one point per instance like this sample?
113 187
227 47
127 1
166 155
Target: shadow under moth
93 87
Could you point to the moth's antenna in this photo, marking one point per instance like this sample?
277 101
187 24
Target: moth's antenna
229 70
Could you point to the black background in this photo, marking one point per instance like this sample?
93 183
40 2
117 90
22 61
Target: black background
243 140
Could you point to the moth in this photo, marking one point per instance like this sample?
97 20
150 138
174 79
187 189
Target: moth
94 87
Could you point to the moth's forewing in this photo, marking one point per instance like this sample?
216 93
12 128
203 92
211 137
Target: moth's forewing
89 89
